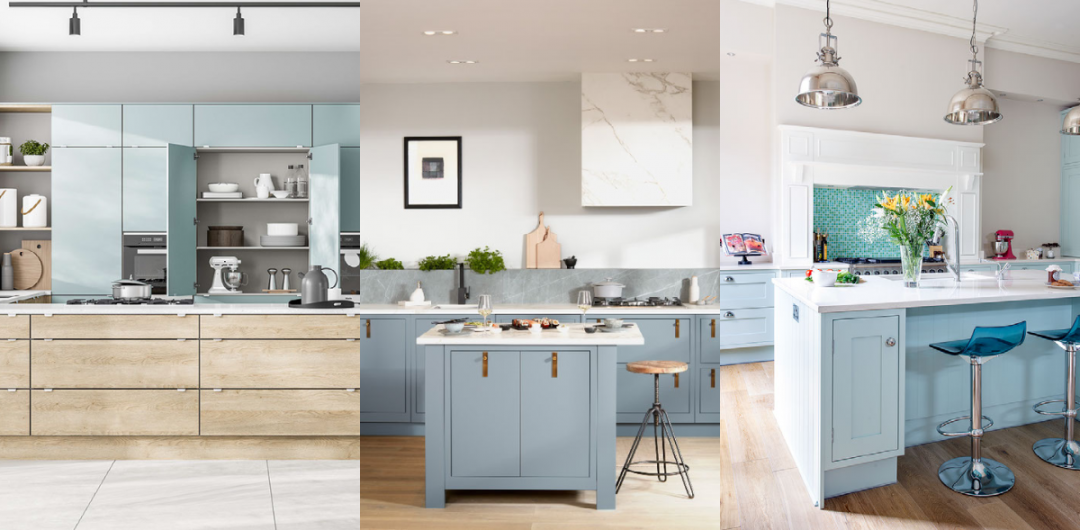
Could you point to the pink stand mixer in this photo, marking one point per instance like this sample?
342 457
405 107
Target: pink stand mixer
1003 244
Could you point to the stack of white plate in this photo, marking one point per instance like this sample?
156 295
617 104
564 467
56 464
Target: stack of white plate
282 241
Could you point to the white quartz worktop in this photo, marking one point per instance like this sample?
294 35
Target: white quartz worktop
936 290
531 310
574 335
10 297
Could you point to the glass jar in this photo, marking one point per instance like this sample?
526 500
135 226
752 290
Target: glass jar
301 182
7 155
290 186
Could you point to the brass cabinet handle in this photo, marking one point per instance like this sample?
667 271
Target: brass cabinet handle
712 378
368 325
599 320
713 326
485 364
676 328
676 380
554 364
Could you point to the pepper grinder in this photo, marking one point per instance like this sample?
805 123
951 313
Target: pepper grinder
272 286
285 278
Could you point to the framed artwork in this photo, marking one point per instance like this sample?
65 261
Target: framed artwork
432 172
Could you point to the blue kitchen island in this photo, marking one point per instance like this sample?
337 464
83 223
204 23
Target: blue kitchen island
517 410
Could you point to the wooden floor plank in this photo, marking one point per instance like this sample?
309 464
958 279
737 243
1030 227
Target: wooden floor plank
761 502
997 515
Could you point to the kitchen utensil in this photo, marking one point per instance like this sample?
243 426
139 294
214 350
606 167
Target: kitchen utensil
570 262
35 211
282 229
223 187
285 278
454 327
549 252
26 267
219 263
225 236
265 180
282 241
7 274
280 194
234 279
531 240
130 290
608 288
9 207
272 284
314 285
43 249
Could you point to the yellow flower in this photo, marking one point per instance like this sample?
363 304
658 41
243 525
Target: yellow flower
906 201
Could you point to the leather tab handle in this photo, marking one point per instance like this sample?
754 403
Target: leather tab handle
676 380
677 328
713 326
712 378
368 325
485 364
554 364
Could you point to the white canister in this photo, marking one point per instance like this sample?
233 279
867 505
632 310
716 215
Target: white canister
35 211
7 153
9 207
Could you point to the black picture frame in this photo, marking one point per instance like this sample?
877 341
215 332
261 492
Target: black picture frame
405 172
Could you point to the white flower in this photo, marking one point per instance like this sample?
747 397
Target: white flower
878 213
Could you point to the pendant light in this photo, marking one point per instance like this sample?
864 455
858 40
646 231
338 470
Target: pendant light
74 24
1071 126
827 86
238 24
974 105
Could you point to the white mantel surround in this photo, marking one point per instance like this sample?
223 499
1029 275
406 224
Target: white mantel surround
636 139
824 157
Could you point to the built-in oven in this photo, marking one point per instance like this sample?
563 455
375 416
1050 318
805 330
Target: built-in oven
145 259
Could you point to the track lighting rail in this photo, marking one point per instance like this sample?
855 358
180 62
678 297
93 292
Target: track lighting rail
227 5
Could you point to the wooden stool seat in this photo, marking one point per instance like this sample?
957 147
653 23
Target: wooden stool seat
656 367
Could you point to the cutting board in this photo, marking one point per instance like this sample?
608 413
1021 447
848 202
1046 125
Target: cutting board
549 252
43 249
532 239
27 268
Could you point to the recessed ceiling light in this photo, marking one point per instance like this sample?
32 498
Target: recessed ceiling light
440 32
458 61
640 60
731 54
649 30
1040 100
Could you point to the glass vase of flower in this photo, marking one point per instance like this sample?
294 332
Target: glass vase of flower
909 220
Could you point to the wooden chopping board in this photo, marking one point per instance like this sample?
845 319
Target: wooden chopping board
27 268
43 249
549 252
532 239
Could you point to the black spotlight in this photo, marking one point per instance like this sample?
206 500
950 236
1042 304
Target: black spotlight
75 25
238 24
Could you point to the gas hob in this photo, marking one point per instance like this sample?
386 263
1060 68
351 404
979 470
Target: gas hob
652 301
132 301
888 266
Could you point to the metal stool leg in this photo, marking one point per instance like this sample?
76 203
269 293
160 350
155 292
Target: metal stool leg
676 453
662 433
974 475
1063 452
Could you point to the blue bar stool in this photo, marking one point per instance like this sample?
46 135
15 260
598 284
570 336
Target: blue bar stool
1063 452
974 475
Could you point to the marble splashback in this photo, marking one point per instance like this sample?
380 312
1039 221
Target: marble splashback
636 139
527 286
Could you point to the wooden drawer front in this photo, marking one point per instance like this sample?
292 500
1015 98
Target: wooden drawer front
732 329
280 413
280 364
744 290
115 327
115 364
283 327
115 413
14 413
14 364
16 327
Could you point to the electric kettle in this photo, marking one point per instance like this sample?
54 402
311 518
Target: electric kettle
314 285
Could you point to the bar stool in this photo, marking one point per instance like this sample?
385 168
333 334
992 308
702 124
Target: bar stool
662 423
974 475
1062 452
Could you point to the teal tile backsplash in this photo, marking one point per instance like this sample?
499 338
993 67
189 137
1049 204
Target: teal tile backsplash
838 212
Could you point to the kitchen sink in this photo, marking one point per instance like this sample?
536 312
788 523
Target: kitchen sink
455 306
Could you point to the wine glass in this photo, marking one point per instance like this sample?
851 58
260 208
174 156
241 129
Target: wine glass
584 302
483 307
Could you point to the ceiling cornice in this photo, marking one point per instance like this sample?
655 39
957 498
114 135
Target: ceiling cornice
884 12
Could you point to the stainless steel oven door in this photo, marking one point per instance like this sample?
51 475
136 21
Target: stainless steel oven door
149 264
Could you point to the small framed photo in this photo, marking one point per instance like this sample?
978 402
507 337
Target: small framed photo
433 172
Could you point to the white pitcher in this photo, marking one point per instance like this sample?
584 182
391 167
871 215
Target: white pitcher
9 207
35 211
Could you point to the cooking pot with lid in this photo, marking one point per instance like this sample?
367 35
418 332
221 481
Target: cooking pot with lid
608 288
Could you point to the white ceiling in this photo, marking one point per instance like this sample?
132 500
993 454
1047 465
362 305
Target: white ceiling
511 39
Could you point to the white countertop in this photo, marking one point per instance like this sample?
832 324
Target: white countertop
573 336
10 297
937 290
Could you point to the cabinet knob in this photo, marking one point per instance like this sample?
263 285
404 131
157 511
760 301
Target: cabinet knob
729 314
890 342
729 279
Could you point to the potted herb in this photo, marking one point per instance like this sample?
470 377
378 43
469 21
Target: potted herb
485 261
364 257
1050 252
33 152
389 264
437 263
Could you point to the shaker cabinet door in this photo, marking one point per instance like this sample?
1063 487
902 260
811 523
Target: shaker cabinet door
252 125
865 381
145 189
556 413
349 189
485 414
86 220
383 374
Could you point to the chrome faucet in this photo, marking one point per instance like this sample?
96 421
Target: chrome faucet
952 266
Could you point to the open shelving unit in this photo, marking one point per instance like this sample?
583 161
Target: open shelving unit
25 169
253 248
22 122
25 229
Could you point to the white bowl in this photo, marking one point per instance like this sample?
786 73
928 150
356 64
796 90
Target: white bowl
280 194
824 278
282 229
224 187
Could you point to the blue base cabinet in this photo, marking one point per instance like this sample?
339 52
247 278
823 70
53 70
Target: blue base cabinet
384 377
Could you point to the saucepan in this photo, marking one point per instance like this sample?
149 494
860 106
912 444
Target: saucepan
130 290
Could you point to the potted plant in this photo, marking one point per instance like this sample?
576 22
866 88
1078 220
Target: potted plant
909 219
1050 252
437 263
485 261
389 264
364 257
33 152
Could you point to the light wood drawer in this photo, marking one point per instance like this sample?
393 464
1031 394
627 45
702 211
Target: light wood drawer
280 413
14 413
115 364
115 413
116 327
14 364
283 327
16 327
280 364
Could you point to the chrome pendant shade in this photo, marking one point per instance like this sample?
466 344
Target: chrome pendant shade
974 105
1071 125
827 86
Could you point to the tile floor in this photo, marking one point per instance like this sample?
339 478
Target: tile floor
180 495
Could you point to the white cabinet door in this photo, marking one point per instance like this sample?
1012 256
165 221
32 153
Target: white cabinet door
866 386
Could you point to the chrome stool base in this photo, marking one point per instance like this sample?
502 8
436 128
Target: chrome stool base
1053 451
957 475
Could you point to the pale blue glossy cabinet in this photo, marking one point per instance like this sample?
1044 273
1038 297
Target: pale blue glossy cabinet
158 125
866 371
253 125
350 189
1070 194
383 375
86 126
180 221
337 124
145 189
86 218
324 232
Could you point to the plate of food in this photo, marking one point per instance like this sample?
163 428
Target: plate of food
1061 284
523 324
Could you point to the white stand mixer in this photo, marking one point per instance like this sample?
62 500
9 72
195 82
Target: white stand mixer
235 279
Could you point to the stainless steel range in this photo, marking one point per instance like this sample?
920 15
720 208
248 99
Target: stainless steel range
888 266
652 301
